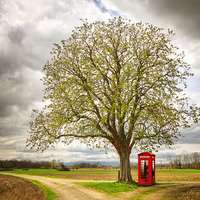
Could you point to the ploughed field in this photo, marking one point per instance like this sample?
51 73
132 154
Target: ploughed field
162 175
13 188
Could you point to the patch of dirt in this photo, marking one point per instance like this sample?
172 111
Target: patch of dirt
13 188
186 192
172 192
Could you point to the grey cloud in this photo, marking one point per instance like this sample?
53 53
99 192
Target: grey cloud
8 143
16 34
1 6
183 13
5 110
14 126
191 135
19 91
12 130
21 49
8 62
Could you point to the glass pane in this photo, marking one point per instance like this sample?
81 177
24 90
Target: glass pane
144 168
153 168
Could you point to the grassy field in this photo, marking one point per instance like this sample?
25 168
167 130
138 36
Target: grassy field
162 175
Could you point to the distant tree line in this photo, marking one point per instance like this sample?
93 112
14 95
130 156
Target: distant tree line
182 161
9 164
191 160
27 164
87 165
12 164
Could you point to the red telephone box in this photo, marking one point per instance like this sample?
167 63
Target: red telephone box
146 168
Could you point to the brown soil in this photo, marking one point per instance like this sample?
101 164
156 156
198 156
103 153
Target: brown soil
13 188
185 192
171 192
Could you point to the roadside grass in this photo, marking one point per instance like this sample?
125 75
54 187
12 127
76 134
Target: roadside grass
109 187
48 192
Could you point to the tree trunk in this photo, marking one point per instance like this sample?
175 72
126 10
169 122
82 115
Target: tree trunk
125 168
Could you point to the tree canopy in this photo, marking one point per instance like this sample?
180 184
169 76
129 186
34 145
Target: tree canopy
114 81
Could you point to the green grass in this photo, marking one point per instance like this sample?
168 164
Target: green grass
48 192
109 187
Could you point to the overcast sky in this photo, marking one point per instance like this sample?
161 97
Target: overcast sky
28 30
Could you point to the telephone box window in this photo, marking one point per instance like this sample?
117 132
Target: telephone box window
144 168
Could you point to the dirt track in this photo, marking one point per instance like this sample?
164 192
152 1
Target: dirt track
66 189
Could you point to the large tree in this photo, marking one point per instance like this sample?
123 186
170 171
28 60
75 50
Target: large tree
114 82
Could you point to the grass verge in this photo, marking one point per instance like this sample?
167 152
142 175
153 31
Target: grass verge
109 187
48 192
